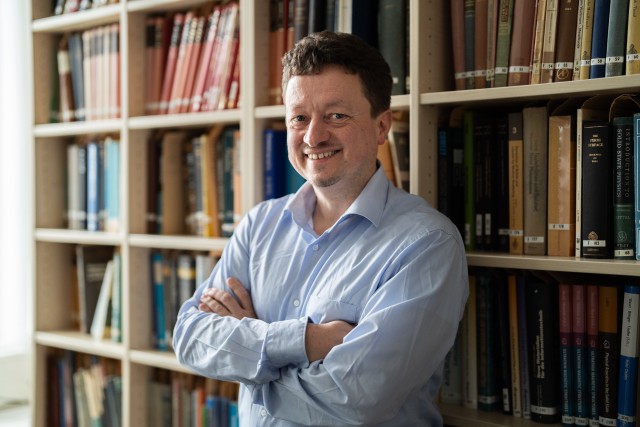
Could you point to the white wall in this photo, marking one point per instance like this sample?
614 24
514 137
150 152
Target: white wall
15 201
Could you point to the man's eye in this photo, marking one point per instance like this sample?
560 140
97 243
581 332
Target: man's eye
298 119
337 116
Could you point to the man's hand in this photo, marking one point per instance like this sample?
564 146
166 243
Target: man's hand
320 339
226 304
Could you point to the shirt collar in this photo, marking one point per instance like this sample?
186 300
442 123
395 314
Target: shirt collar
369 204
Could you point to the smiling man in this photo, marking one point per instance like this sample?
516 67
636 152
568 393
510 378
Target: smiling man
335 305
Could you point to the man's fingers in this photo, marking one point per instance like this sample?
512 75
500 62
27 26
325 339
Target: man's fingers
241 293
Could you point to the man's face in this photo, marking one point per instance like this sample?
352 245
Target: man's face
332 138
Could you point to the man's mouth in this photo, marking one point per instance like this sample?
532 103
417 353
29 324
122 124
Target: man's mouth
317 156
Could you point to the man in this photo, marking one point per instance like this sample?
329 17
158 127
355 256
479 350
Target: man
336 305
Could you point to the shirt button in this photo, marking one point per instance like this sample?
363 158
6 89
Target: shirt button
263 413
316 247
296 302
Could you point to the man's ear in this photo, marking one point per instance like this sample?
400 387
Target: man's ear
384 125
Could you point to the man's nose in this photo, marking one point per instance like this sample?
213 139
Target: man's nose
316 133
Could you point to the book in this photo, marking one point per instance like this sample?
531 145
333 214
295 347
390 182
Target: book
592 352
399 142
521 42
609 354
516 187
154 61
101 321
92 263
629 352
451 174
566 361
182 60
632 58
186 266
596 214
565 40
586 40
67 109
504 355
492 38
277 43
522 281
599 38
75 187
561 181
469 42
94 183
392 21
275 159
487 329
480 40
542 318
172 212
595 108
579 350
636 172
207 57
548 40
112 184
538 41
535 166
503 43
577 46
469 349
501 172
171 62
77 78
116 298
514 351
158 301
623 189
194 50
469 185
457 43
616 38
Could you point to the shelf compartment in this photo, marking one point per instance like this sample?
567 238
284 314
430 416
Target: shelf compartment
80 342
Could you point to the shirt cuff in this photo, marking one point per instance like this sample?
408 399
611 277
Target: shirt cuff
284 343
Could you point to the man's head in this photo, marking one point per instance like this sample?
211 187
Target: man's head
319 50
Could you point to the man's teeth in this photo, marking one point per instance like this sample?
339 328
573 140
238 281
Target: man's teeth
321 155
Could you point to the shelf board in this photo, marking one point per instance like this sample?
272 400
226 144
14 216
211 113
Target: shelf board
161 5
57 235
610 85
400 102
78 20
48 130
562 264
81 342
270 112
186 120
459 416
193 243
158 359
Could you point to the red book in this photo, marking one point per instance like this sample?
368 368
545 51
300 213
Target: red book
521 42
215 57
192 66
170 66
277 46
234 87
228 71
155 63
224 57
205 60
182 62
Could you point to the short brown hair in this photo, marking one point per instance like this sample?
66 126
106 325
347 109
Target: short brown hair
318 50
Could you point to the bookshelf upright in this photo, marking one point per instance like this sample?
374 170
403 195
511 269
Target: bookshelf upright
431 99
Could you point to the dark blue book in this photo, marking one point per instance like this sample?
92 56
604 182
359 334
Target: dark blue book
275 163
488 389
599 38
636 174
579 352
566 361
158 310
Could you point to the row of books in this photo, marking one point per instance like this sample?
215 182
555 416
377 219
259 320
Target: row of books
500 43
83 390
92 181
194 182
177 399
70 6
97 291
192 60
382 23
506 354
88 74
557 179
174 277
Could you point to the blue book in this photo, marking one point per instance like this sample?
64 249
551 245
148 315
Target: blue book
93 186
275 163
157 287
636 174
628 380
616 38
599 38
111 187
234 421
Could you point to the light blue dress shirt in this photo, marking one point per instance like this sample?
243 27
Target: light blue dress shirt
391 264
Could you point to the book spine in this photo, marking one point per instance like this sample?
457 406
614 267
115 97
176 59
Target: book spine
565 40
480 40
523 347
579 341
469 349
93 186
566 361
391 40
585 44
599 38
609 355
488 397
549 41
516 182
514 350
623 202
616 38
469 42
158 311
469 187
592 356
577 48
628 381
535 164
596 188
633 38
538 41
636 183
503 43
521 42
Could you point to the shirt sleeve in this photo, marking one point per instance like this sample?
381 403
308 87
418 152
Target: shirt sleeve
400 342
249 350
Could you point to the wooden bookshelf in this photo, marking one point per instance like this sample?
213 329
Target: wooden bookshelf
431 98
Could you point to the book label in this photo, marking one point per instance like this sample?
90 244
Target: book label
560 227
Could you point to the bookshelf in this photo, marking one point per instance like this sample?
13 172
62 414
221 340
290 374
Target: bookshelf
431 98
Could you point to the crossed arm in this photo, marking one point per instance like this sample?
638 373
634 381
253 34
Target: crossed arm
319 338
